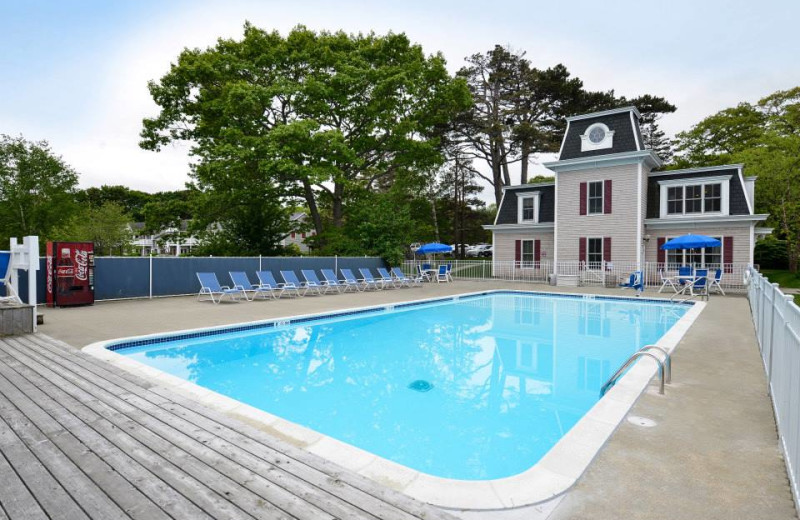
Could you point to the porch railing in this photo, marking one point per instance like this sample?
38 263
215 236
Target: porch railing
608 274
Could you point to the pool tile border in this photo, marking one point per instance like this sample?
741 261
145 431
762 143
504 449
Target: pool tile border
555 473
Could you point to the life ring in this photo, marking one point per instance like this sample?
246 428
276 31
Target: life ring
746 277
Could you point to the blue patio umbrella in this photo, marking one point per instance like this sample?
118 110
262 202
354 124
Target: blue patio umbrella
434 247
691 242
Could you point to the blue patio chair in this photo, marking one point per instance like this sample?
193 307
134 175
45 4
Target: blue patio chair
450 272
312 281
666 281
266 280
368 280
335 283
405 280
386 278
716 282
441 274
349 279
209 285
423 274
634 282
698 285
9 296
291 280
685 274
241 281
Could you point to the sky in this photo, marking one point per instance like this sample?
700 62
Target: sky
75 73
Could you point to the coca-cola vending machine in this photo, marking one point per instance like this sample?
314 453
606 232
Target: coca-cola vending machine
70 273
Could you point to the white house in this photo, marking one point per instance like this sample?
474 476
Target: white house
607 203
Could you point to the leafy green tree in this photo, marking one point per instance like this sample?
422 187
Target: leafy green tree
321 116
37 189
765 137
105 225
131 201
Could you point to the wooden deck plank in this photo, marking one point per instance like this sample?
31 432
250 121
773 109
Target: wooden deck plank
16 501
83 447
296 500
290 458
171 465
26 460
142 421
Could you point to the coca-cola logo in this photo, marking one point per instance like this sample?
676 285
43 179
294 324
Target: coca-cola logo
82 261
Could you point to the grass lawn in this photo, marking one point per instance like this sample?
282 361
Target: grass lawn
784 279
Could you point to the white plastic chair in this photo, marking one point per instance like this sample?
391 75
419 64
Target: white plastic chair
667 281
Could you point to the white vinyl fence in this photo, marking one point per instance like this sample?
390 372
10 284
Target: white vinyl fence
609 274
777 322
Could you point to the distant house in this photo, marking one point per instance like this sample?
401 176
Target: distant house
298 237
171 241
608 203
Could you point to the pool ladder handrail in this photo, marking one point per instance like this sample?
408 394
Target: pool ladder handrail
664 367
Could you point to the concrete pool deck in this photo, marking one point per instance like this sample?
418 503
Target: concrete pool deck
712 453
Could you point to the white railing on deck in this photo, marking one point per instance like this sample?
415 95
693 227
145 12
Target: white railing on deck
609 274
777 322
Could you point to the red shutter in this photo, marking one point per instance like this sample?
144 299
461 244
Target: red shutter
662 255
727 253
537 250
607 197
607 249
582 249
583 198
517 250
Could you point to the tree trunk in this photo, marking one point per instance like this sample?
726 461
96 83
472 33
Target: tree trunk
524 157
311 200
435 219
338 208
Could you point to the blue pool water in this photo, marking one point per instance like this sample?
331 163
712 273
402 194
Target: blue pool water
478 388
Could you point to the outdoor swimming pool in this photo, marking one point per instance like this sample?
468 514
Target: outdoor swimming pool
474 388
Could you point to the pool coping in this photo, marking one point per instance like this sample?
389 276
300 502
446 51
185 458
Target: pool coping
555 473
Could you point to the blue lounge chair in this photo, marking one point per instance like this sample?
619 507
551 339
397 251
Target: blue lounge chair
386 278
335 283
9 296
291 280
715 282
313 282
634 282
209 285
441 274
349 279
368 280
405 280
266 280
241 281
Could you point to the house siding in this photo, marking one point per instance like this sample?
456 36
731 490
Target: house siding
504 243
620 225
740 234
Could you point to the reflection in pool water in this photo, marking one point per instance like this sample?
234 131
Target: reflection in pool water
511 373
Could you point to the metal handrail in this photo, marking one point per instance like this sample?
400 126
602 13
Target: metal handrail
629 362
667 360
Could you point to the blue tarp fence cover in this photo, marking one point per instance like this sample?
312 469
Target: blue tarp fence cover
143 277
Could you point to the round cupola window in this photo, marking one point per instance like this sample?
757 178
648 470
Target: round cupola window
597 134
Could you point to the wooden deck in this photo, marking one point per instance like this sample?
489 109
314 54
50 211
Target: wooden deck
82 439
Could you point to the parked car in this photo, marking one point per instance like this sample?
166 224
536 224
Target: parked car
478 250
488 252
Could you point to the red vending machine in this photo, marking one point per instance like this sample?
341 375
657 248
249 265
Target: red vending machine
70 273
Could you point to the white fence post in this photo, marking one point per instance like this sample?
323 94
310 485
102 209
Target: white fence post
151 276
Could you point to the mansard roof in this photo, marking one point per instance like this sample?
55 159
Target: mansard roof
507 213
624 122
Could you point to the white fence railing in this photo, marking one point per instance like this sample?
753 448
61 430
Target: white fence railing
777 323
608 274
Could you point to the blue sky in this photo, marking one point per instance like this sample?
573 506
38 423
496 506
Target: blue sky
75 73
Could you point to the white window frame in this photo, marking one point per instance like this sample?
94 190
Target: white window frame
588 145
724 182
702 253
523 264
602 197
602 252
536 196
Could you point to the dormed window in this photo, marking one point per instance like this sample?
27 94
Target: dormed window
597 137
688 197
528 207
